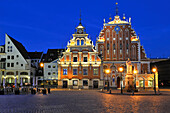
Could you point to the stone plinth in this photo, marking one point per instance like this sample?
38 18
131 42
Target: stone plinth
129 84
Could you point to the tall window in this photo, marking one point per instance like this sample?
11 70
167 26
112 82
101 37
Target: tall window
108 48
74 71
78 42
74 59
12 64
120 46
85 59
82 42
8 64
64 71
95 71
85 71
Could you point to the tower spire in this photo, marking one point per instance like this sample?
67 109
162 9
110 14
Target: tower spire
117 9
80 17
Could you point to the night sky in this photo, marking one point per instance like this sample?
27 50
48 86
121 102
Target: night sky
48 24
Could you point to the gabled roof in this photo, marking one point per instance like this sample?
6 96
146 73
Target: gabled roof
20 48
35 55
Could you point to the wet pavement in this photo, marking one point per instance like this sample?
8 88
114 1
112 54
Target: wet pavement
84 101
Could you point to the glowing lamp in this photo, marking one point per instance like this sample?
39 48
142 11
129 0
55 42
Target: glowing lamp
41 64
107 71
135 71
154 70
120 69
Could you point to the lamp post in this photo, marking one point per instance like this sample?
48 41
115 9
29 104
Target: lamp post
135 72
120 69
107 71
154 70
42 65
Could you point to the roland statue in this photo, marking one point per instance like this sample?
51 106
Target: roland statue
129 66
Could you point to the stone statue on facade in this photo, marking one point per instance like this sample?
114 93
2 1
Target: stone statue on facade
129 66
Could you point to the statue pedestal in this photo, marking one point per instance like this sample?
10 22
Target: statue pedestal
129 82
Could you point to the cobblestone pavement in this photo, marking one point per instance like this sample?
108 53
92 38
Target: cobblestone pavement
84 101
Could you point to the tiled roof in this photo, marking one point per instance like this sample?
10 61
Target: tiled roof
35 55
53 54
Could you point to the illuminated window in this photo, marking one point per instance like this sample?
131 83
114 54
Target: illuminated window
120 51
74 71
114 38
140 83
53 73
54 66
75 82
150 83
95 71
127 51
114 51
64 71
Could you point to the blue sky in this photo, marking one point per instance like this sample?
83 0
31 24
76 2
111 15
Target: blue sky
42 24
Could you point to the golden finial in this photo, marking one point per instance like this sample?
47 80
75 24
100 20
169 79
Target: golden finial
116 3
110 18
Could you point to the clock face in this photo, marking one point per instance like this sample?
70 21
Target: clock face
117 29
80 31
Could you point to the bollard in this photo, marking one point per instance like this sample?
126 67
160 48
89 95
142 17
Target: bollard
17 91
49 90
44 91
2 92
110 91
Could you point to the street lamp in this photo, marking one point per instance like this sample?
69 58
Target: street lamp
107 71
135 72
120 69
154 70
42 65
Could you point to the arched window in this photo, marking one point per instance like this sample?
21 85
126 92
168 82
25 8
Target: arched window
78 42
82 42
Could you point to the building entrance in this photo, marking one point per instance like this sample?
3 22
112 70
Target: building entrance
118 82
64 84
95 84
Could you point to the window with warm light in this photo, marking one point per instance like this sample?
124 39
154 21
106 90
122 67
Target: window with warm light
95 71
75 82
